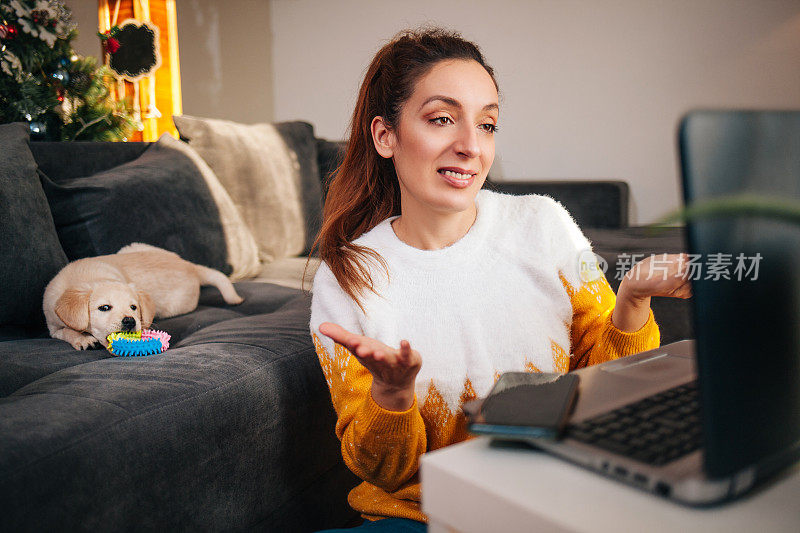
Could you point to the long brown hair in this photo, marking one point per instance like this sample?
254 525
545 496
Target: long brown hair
364 190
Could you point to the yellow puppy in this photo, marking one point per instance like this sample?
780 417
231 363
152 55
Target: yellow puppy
93 297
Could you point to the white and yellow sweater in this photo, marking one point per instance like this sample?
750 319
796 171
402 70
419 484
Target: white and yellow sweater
507 296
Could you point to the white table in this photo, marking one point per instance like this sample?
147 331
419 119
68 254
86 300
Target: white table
472 487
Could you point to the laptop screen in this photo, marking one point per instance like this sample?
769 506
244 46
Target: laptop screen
745 272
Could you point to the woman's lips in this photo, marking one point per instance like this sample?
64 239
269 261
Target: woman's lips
454 179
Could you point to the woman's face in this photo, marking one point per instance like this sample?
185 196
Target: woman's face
443 145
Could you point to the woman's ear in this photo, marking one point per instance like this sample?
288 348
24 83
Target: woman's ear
382 137
147 309
72 307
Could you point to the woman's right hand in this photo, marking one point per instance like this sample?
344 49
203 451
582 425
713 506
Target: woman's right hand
394 371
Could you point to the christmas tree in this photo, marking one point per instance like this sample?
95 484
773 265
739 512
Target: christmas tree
62 96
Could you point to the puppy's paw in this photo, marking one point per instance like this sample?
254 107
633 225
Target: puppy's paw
85 342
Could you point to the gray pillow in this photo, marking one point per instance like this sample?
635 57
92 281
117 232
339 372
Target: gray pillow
159 198
30 254
271 173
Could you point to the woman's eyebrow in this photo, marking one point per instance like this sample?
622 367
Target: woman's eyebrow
453 102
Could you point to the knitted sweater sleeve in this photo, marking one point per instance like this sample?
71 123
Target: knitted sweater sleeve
381 447
593 336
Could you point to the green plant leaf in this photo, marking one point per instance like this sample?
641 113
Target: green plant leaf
739 205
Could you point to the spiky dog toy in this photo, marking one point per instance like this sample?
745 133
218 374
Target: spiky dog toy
138 343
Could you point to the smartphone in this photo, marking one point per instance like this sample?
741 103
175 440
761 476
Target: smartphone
525 405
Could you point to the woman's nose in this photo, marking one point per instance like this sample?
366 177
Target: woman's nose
467 141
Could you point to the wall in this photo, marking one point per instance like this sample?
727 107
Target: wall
589 89
225 55
84 14
226 60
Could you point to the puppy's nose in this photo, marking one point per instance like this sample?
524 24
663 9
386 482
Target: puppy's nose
128 323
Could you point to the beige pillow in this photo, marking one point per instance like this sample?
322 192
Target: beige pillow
262 176
242 247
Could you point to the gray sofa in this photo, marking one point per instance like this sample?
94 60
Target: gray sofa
230 429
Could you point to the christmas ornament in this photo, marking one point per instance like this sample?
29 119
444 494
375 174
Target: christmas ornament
64 62
8 32
37 129
61 76
111 45
79 81
110 42
40 16
64 110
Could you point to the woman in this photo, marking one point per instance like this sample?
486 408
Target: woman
430 287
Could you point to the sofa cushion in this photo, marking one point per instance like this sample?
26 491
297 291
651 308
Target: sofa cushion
242 246
76 159
270 171
330 155
31 253
159 198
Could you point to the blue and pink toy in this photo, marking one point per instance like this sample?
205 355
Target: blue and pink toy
138 343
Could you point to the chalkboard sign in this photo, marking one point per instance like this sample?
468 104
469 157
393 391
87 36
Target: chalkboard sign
139 54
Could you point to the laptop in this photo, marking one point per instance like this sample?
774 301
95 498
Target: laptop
704 421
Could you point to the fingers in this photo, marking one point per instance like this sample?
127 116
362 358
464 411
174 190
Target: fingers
405 352
380 354
340 335
360 346
334 331
659 275
410 358
684 290
375 355
402 357
364 350
370 350
661 267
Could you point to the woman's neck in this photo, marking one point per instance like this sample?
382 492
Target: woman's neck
433 231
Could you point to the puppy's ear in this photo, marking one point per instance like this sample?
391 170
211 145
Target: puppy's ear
147 308
72 308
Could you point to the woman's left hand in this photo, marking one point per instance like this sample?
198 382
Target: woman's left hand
657 275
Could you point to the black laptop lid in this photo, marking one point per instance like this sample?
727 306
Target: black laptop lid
747 326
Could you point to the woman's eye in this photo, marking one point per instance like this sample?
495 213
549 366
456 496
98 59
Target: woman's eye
437 119
133 307
104 308
489 128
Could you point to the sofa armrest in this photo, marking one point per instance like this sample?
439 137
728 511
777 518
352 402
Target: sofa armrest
593 204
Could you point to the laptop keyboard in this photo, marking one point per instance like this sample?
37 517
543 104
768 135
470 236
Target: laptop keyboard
656 430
